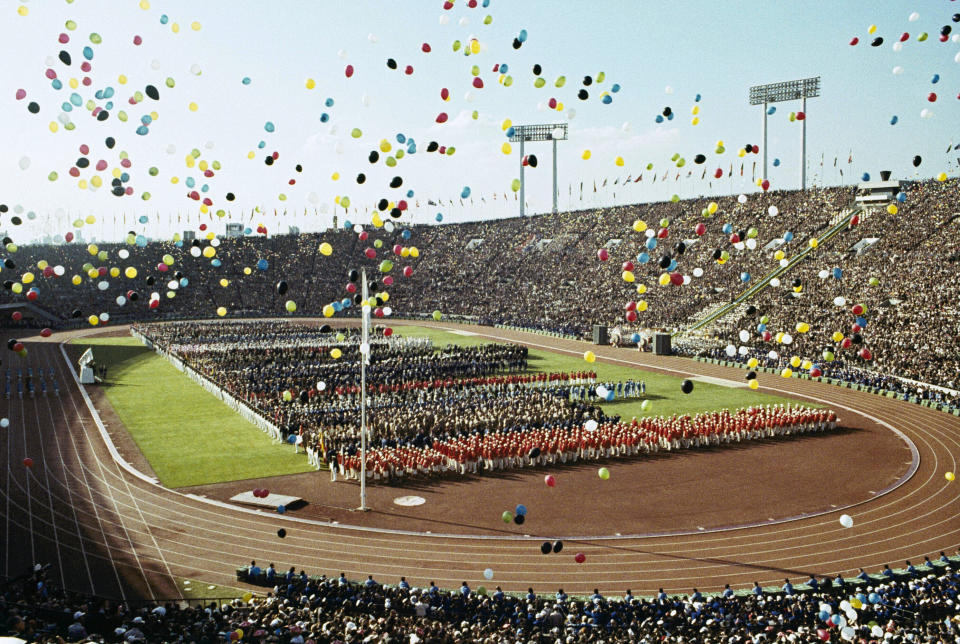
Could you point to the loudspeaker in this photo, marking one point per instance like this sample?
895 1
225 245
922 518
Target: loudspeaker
600 335
885 175
661 344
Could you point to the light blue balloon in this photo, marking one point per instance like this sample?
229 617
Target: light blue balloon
636 338
204 188
215 262
865 176
143 219
776 163
178 244
406 234
935 79
862 321
465 192
744 276
610 395
263 265
56 84
108 106
328 102
346 302
324 117
643 258
247 230
337 306
771 110
141 241
88 53
510 132
146 119
164 19
615 88
761 328
521 510
246 80
190 182
837 272
894 119
184 281
143 130
66 107
673 265
696 99
503 68
269 126
651 243
727 228
659 118
76 99
607 99
788 236
410 194
523 35
439 217
670 116
262 144
902 197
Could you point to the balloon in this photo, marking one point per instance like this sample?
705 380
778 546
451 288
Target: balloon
846 520
603 473
488 573
589 356
549 480
686 386
580 557
950 476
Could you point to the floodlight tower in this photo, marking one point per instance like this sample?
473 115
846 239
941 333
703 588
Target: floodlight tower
542 132
787 91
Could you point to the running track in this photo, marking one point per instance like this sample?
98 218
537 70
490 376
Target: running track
110 533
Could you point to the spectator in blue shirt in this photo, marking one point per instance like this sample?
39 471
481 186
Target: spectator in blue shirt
403 584
434 589
271 574
370 583
911 570
464 589
661 596
813 583
697 595
531 596
342 581
787 588
839 581
886 571
863 575
727 591
596 595
498 595
561 596
628 597
757 588
254 571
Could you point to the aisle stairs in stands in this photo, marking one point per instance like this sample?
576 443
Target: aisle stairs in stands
713 315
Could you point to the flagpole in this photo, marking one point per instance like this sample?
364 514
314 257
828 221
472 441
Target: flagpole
364 333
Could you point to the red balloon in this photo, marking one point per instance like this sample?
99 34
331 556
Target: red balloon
154 304
46 333
580 557
854 41
856 328
387 332
846 343
549 480
28 462
447 5
630 306
766 184
32 295
378 312
700 229
265 493
163 268
815 373
603 255
628 265
351 287
68 237
676 279
767 336
718 173
444 93
203 226
734 238
18 347
372 254
407 271
17 316
662 233
408 70
904 37
48 271
348 71
388 281
944 37
552 103
442 117
855 220
857 309
363 235
865 353
397 249
932 97
425 48
478 82
631 316
102 271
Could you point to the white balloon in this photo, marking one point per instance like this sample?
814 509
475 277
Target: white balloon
668 89
195 69
464 21
787 338
739 245
926 113
24 163
898 47
171 149
121 300
388 226
913 18
590 425
338 147
698 272
387 311
444 19
956 58
851 614
784 262
321 386
731 350
372 37
59 270
366 100
773 355
956 38
541 106
557 133
313 198
358 228
751 243
847 522
488 573
342 54
824 274
602 391
571 113
4 422
365 348
876 631
649 233
50 61
103 285
839 301
773 211
775 282
742 199
686 280
897 70
626 126
155 64
847 633
744 335
104 317
743 351
195 251
209 145
215 242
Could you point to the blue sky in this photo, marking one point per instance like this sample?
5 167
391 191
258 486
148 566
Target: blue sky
713 49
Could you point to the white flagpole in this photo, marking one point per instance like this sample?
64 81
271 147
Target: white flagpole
365 329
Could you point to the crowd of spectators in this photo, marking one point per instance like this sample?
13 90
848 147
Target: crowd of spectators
542 272
917 604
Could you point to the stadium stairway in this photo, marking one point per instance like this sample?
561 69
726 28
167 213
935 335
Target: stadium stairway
842 221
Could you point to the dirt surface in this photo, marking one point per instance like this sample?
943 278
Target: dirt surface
107 531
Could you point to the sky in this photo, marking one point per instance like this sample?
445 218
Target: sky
661 54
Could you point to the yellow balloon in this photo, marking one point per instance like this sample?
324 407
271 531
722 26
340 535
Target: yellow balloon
795 362
695 110
664 279
786 373
76 279
752 363
641 289
639 225
221 311
506 124
414 252
642 305
950 476
385 145
247 270
695 120
27 277
93 320
311 83
942 177
404 252
209 252
802 327
585 155
195 26
42 264
628 276
619 161
712 208
837 336
806 365
892 209
224 282
93 273
193 106
813 242
506 148
754 384
336 353
114 272
872 29
590 356
90 219
328 311
326 249
779 255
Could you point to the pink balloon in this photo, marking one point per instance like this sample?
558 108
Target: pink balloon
349 71
370 253
21 94
603 255
63 38
478 82
137 40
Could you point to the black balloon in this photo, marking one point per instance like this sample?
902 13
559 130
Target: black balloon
281 533
751 375
665 261
133 296
396 182
856 338
110 142
587 81
9 263
751 310
353 275
65 57
281 287
8 284
877 42
33 108
667 111
516 43
304 396
326 328
374 156
151 280
700 158
545 548
152 92
535 452
557 547
382 205
519 519
917 160
583 95
797 282
76 313
717 253
231 196
16 221
82 162
686 386
396 213
945 30
433 146
11 342
956 17
361 178
298 168
103 115
532 160
537 69
391 63
680 248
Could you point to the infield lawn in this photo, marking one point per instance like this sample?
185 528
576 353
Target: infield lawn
187 434
663 391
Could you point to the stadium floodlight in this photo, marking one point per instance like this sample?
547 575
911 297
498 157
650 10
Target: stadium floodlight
798 90
540 132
